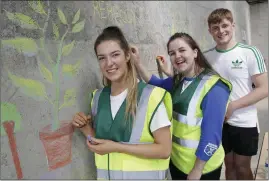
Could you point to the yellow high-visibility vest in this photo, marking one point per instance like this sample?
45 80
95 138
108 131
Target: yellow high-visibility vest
125 166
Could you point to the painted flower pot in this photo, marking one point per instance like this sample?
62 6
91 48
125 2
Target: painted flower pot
57 144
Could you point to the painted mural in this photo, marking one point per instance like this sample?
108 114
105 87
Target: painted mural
56 136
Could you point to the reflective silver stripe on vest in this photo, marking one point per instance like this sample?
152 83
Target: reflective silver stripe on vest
117 174
141 113
191 121
185 143
95 101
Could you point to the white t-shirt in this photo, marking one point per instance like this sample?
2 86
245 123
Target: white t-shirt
159 120
238 65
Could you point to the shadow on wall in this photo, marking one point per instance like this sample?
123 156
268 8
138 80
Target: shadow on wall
56 137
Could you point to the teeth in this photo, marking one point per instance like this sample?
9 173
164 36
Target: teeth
112 70
179 62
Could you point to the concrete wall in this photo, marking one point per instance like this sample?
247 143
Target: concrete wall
259 27
47 75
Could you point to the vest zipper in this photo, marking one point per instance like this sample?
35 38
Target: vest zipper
108 169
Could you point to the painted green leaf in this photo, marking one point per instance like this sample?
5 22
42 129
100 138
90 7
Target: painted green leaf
55 31
78 27
37 6
69 97
68 48
22 20
62 16
9 112
76 17
45 72
27 46
29 87
71 70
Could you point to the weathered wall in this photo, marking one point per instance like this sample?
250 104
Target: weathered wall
48 69
259 27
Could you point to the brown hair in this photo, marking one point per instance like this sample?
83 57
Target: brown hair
114 33
200 61
218 15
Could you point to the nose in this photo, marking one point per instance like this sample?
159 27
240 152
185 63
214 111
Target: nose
221 30
178 54
109 62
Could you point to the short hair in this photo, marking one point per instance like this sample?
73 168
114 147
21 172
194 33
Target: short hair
218 15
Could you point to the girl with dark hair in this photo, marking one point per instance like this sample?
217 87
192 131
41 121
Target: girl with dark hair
200 97
129 127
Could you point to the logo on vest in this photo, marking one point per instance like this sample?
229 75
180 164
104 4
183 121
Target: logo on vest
210 149
236 64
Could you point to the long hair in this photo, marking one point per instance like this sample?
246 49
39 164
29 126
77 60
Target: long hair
114 33
200 61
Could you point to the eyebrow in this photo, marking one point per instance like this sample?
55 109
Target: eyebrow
116 51
176 49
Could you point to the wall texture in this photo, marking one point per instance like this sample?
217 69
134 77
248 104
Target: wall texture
48 69
259 27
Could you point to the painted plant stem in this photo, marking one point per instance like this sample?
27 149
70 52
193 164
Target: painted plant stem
57 78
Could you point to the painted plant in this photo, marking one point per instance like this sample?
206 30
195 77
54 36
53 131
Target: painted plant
56 137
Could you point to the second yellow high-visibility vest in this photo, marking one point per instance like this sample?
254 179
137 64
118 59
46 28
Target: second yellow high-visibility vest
187 119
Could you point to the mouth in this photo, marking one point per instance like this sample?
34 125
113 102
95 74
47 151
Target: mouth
111 70
222 36
180 62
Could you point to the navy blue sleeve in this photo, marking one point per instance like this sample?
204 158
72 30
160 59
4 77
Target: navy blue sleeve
166 84
214 110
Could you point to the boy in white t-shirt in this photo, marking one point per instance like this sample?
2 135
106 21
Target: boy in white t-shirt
242 65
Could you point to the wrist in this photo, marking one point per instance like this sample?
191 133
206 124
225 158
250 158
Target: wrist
199 165
86 129
138 64
235 105
198 169
118 147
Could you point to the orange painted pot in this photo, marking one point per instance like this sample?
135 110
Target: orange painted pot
57 144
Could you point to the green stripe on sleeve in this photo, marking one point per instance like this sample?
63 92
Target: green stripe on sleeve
259 61
262 59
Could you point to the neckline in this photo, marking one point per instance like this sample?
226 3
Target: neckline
224 51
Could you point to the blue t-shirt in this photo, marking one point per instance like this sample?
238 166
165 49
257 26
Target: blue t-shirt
214 109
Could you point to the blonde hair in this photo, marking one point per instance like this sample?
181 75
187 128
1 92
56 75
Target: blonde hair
218 15
114 33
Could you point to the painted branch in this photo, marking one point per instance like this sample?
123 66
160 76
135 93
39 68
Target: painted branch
9 128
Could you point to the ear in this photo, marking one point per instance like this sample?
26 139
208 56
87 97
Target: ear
209 30
233 24
196 53
128 56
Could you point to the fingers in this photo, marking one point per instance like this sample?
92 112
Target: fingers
98 141
89 118
160 58
90 146
79 120
134 50
83 116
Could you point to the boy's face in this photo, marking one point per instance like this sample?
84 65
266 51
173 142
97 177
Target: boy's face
222 32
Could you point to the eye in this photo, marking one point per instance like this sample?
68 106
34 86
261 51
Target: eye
171 53
115 55
224 26
101 58
182 50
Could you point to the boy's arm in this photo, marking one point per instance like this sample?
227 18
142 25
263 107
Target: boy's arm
260 92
